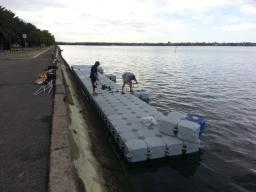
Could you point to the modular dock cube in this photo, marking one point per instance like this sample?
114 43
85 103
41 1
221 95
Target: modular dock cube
170 123
135 150
174 146
190 147
156 147
188 131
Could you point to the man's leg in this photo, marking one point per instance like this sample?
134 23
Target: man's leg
123 86
93 90
130 84
93 86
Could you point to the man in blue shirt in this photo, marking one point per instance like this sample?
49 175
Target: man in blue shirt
94 76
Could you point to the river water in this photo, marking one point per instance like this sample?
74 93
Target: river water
218 83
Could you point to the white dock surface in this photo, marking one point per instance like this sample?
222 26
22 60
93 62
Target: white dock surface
122 114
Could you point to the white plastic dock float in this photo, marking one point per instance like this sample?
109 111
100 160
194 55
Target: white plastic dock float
139 130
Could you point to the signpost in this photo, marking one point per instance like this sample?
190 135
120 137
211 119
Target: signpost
24 36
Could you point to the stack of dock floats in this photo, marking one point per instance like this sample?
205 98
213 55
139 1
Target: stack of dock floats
128 120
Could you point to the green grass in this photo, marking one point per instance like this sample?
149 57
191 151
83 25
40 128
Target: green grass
21 53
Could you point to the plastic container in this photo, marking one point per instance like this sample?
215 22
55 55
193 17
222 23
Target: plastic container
198 120
100 70
111 77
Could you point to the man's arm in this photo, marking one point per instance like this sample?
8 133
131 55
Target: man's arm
95 72
96 76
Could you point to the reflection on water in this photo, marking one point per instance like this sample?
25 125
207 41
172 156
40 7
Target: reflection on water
218 83
184 165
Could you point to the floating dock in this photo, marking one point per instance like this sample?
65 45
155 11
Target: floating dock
140 131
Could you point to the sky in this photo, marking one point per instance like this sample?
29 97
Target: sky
141 20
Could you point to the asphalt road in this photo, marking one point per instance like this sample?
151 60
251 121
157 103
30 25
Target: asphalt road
25 126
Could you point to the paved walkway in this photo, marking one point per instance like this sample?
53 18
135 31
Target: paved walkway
25 126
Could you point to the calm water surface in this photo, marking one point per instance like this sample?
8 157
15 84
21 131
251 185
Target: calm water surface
218 83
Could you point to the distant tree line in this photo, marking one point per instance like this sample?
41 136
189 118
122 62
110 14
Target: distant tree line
12 29
158 44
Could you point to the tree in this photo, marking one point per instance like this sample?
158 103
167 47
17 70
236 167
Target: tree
12 28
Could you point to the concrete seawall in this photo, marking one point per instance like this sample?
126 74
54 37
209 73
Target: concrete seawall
89 159
61 173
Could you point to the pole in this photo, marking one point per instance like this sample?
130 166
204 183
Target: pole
24 37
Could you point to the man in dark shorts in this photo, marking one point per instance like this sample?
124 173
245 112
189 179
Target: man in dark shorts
94 76
127 79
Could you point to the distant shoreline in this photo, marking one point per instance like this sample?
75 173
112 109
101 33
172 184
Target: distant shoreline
243 44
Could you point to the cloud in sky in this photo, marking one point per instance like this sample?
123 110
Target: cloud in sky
249 10
239 27
141 20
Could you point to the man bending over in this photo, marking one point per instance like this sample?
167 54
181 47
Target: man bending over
127 79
